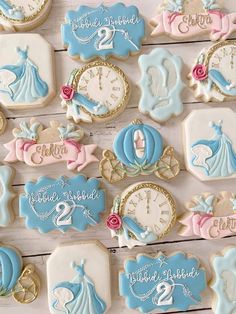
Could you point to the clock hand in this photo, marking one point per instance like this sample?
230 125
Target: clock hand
100 81
148 194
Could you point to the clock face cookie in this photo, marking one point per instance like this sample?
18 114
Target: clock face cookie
26 71
97 92
22 15
210 143
162 283
161 85
184 19
60 204
210 216
139 150
213 76
223 282
102 31
36 146
78 277
144 213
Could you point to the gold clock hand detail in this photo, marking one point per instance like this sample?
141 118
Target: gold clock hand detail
148 196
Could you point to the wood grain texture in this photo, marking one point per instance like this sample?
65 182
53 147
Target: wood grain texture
36 247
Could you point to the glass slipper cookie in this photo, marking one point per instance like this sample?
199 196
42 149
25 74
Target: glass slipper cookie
102 31
26 71
138 150
160 283
7 195
96 92
144 213
223 282
182 19
213 76
210 216
78 276
209 143
21 283
36 146
161 85
3 123
63 203
22 15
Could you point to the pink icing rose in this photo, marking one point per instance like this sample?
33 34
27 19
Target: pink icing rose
67 92
199 72
114 222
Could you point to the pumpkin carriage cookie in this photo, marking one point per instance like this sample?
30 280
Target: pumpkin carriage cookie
96 92
144 213
185 19
161 283
21 283
36 146
210 216
139 149
103 31
79 279
22 15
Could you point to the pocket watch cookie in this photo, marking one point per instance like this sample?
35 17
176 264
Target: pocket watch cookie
162 282
211 216
213 76
184 19
60 204
3 123
161 85
96 92
139 150
26 71
210 143
144 213
223 282
22 15
36 146
6 196
103 31
78 276
21 283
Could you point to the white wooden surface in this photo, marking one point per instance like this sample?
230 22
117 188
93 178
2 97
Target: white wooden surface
36 247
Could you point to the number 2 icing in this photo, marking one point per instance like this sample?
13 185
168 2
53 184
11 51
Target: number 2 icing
61 204
103 31
176 22
162 283
37 147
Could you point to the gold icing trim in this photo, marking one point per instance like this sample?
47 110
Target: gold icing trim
78 73
159 189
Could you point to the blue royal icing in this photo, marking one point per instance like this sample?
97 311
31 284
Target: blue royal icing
10 11
162 283
11 267
161 90
61 204
103 31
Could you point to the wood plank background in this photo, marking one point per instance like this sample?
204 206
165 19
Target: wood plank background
36 247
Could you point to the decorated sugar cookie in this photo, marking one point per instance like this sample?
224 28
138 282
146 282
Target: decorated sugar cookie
6 196
26 71
162 282
60 204
79 279
21 283
211 216
103 31
139 150
96 92
210 143
22 15
36 146
184 19
144 213
213 74
161 85
3 123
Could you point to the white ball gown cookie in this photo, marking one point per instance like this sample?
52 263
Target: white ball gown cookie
210 143
26 71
